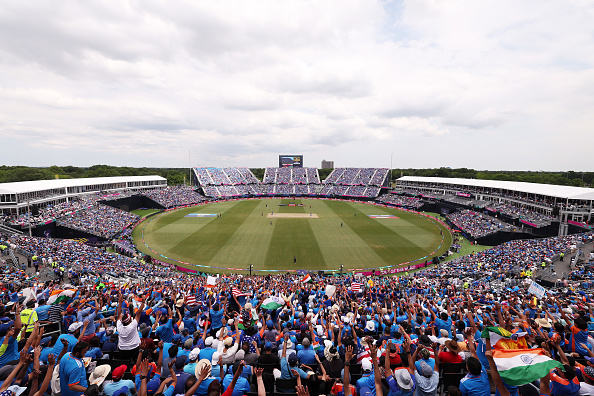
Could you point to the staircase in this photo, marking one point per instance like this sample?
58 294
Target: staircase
9 230
13 259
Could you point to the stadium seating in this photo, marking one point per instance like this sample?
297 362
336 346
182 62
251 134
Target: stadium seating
476 224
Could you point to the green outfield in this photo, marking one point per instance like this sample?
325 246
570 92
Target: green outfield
320 235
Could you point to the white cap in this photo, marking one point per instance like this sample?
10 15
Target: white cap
74 326
194 354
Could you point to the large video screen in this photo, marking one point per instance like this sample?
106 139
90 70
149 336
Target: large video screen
290 160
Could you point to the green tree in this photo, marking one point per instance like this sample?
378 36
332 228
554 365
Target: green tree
258 172
324 173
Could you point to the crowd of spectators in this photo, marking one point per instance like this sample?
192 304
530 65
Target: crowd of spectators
358 176
519 212
289 175
476 224
400 200
174 196
224 176
101 220
51 212
173 333
349 191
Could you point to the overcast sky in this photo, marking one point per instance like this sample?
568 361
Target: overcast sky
506 84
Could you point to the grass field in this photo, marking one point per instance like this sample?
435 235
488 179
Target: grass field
144 212
244 234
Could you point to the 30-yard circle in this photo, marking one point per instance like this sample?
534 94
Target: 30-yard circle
290 234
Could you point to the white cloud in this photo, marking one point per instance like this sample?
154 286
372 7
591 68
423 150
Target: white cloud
440 83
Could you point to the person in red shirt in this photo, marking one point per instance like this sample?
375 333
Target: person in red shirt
451 355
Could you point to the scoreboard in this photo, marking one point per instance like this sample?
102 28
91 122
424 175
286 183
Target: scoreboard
295 161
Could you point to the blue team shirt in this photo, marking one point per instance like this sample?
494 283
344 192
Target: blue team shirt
72 372
475 385
242 386
444 324
165 332
217 318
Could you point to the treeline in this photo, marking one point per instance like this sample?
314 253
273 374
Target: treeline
176 176
570 178
8 174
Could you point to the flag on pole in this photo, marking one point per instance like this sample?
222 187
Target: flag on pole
522 366
273 303
307 279
356 287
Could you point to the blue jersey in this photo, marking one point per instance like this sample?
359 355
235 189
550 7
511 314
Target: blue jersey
72 372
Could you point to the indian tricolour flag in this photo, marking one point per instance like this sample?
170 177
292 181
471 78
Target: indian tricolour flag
502 339
58 295
307 279
522 366
273 303
316 346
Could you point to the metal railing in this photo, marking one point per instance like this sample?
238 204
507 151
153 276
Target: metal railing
9 230
13 258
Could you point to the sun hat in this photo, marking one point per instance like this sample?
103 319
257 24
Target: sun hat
203 363
425 340
228 341
330 352
403 379
543 323
426 370
208 341
453 346
99 374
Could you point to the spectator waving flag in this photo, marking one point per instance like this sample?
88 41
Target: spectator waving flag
502 339
237 293
362 354
522 366
191 300
356 287
307 279
59 295
273 303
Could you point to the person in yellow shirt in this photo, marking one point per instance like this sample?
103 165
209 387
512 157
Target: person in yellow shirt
29 317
